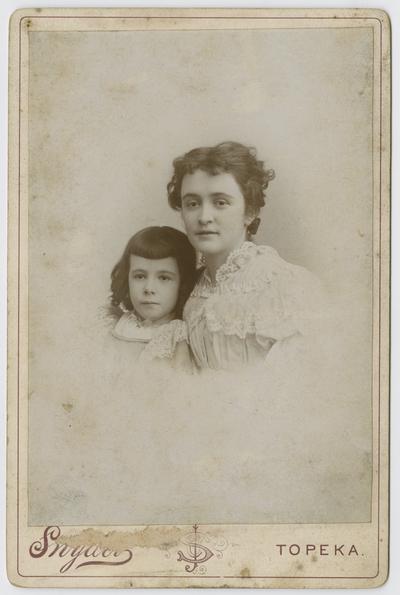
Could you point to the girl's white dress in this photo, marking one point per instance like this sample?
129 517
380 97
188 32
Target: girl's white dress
164 342
131 340
258 303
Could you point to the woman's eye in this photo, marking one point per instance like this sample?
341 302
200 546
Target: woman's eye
190 204
164 278
221 202
138 276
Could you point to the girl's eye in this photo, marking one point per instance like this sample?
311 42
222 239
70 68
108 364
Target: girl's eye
138 276
221 202
164 278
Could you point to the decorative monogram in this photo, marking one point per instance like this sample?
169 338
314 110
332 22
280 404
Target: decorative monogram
197 553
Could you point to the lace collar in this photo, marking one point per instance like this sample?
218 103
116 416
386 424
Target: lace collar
235 261
130 328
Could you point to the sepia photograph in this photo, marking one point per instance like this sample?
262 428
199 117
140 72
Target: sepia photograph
199 255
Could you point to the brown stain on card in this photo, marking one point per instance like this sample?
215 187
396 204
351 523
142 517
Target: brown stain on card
60 230
150 537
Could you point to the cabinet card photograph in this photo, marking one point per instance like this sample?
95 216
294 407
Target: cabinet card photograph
198 298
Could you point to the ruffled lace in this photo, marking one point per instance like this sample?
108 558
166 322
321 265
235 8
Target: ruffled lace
164 341
245 317
236 260
226 280
256 293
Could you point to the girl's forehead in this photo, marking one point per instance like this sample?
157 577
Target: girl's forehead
153 264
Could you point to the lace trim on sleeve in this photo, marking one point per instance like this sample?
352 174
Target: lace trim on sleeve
274 325
273 312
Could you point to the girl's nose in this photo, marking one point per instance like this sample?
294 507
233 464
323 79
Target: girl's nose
206 214
149 287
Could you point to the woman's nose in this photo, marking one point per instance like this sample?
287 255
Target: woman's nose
206 214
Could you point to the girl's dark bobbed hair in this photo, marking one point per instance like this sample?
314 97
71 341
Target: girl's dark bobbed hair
231 157
155 243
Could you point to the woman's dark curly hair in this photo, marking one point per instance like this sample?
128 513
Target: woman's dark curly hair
155 243
231 157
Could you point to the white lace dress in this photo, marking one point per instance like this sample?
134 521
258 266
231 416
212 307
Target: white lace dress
258 303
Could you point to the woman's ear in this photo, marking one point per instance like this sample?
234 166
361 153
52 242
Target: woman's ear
250 215
253 227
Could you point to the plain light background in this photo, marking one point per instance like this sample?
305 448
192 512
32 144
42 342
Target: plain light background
391 8
109 112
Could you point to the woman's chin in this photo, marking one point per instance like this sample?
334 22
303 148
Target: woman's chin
209 247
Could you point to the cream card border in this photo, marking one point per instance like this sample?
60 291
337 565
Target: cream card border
243 555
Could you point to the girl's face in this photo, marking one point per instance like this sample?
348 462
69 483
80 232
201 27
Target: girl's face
214 212
154 287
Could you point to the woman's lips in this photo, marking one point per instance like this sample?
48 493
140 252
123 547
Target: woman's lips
206 233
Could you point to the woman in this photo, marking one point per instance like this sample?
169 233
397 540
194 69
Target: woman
248 302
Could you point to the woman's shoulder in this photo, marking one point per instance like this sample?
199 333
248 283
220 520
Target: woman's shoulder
265 263
291 282
256 269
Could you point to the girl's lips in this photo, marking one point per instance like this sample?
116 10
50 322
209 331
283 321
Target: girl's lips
206 233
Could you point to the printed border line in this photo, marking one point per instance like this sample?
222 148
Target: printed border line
18 291
252 18
19 284
188 525
200 577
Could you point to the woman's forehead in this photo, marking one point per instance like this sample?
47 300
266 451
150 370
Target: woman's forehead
154 265
203 183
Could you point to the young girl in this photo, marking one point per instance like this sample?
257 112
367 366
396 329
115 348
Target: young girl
149 287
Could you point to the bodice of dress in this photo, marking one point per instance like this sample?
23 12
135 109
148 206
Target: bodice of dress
257 300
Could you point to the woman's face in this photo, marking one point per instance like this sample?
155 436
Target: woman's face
214 212
154 287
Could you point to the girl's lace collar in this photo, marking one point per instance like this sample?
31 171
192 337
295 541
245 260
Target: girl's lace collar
235 261
130 328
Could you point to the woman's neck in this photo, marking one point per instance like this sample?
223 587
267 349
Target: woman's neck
215 261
